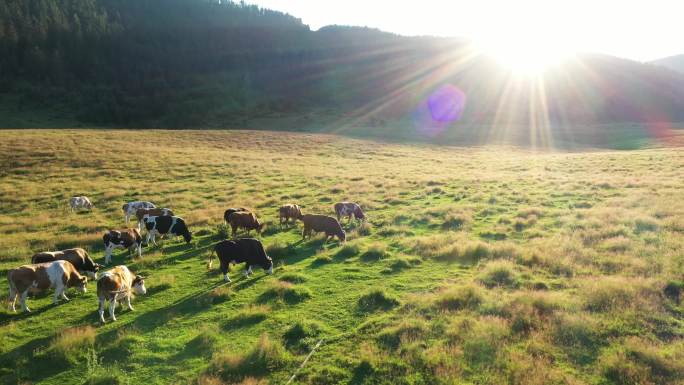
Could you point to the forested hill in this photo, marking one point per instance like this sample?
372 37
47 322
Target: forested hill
201 63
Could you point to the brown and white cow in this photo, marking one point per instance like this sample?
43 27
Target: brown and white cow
130 208
230 211
80 202
59 275
244 220
77 256
289 211
156 212
118 285
123 238
347 209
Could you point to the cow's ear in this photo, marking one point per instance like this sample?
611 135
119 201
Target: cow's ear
84 279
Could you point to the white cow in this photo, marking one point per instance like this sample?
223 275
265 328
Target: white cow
80 202
130 208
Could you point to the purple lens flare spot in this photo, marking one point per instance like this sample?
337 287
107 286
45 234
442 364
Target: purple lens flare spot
446 104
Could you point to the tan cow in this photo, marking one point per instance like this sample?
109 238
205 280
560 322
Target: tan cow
59 275
118 285
244 220
289 211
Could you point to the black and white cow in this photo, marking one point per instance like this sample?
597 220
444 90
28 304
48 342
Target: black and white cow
80 202
245 250
165 225
124 238
130 208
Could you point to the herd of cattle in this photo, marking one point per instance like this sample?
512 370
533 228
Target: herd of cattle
72 267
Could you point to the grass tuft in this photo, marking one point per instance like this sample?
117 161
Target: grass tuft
285 292
377 299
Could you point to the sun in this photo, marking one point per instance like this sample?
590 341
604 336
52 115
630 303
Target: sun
524 53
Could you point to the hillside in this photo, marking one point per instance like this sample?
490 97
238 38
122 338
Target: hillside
477 265
675 63
201 63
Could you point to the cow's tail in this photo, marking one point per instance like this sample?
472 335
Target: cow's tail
211 259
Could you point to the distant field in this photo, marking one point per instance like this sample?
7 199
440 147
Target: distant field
478 265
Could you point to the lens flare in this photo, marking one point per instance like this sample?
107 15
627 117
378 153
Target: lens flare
442 107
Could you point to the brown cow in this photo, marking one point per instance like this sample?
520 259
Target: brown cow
154 212
118 285
123 238
245 220
289 211
227 213
323 223
77 256
42 276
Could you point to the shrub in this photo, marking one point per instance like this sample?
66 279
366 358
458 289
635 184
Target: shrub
402 263
277 249
499 273
642 225
349 249
364 229
221 231
265 356
286 292
73 343
294 278
375 252
377 299
404 333
459 298
455 221
303 335
247 317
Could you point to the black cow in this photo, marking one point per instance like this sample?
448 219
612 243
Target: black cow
164 225
247 250
231 210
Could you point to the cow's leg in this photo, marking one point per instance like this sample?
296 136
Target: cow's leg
112 305
128 302
154 237
248 271
64 294
108 254
12 299
59 287
234 230
126 216
350 219
270 269
226 278
100 309
23 301
139 249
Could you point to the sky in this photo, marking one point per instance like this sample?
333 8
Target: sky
638 30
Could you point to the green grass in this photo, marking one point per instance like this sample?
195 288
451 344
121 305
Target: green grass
483 265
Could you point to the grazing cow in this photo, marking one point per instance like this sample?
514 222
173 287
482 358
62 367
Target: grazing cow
347 209
247 250
81 202
231 210
123 238
166 226
244 220
323 223
289 211
78 257
130 208
42 276
118 285
144 213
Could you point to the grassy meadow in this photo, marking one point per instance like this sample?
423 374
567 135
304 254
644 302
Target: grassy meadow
478 265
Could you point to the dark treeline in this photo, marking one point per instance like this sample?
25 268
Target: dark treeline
189 63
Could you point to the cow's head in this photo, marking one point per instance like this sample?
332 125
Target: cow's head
358 214
89 204
268 265
260 226
186 235
82 283
139 285
342 235
125 207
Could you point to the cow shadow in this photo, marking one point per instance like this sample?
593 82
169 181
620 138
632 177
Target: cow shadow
40 366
